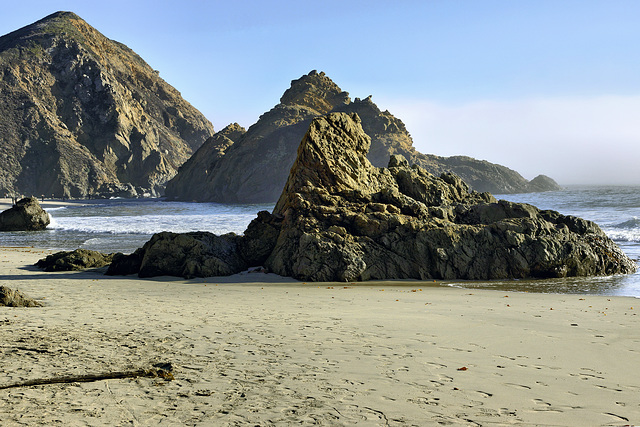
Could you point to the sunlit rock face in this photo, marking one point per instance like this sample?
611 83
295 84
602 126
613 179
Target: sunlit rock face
82 115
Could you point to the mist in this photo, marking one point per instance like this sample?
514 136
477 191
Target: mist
590 140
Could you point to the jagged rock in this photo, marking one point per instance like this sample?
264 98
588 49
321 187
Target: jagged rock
79 111
80 259
245 172
347 220
196 254
339 218
26 215
13 298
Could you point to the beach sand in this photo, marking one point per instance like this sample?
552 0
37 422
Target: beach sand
5 203
247 352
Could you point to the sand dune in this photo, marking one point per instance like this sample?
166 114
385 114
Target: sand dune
248 352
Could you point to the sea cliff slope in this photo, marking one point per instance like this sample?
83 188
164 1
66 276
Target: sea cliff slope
83 115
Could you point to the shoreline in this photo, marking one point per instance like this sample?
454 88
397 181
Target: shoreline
331 353
5 203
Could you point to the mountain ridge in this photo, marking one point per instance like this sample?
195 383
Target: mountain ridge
255 168
83 115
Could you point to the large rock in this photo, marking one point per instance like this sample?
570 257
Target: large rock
196 254
255 168
26 215
347 220
341 219
80 259
12 298
82 115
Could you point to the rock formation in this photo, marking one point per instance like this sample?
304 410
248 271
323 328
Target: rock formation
12 298
80 259
341 219
81 115
26 215
245 172
195 173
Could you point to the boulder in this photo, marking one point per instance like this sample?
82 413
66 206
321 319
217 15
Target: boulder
341 219
195 254
26 215
13 298
80 259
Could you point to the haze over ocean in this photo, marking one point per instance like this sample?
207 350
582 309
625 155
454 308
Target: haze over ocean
538 86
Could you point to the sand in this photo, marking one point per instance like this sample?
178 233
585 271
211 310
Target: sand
5 203
248 352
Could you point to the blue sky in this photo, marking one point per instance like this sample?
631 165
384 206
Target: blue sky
540 86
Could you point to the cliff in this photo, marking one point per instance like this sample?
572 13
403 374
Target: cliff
81 114
256 167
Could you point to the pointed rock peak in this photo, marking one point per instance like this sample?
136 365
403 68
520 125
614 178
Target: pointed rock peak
232 131
333 156
316 91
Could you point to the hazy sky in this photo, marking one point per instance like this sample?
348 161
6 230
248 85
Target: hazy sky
539 86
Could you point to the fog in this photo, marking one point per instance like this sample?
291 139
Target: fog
592 140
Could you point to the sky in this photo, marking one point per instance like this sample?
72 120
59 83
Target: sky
540 86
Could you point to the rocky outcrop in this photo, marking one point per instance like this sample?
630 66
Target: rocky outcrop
26 215
256 167
196 254
12 298
339 218
80 259
81 114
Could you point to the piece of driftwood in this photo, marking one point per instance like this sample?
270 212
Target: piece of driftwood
151 373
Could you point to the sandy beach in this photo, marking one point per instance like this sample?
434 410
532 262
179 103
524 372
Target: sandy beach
256 349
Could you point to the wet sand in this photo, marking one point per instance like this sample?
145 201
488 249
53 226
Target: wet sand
257 349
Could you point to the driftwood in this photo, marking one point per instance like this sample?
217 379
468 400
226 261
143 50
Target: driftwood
150 373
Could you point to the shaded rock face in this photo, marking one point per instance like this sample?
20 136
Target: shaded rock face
201 254
339 218
196 254
80 259
192 180
256 167
80 114
12 298
26 215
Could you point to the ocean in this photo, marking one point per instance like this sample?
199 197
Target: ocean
123 225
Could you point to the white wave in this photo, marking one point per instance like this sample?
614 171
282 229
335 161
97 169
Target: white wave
150 224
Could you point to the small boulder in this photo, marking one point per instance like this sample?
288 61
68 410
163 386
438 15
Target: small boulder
80 259
13 298
26 215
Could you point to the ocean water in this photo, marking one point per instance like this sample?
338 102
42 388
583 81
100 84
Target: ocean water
123 225
616 209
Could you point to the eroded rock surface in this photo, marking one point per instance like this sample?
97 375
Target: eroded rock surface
26 215
341 219
12 298
80 259
82 115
